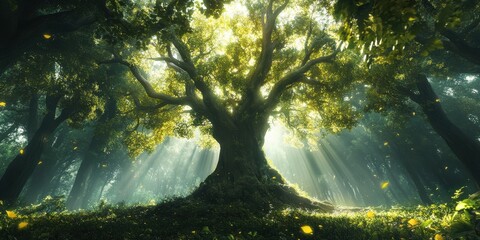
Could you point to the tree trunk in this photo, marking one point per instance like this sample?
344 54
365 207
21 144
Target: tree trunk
243 174
44 173
91 160
32 121
82 179
464 147
22 167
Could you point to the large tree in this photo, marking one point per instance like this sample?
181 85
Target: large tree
233 75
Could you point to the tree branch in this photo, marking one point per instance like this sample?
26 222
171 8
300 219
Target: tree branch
458 45
147 86
149 108
290 79
264 62
211 104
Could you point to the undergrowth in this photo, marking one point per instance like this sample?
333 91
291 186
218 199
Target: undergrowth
189 219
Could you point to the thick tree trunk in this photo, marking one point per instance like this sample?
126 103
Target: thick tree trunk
243 173
22 167
41 179
464 147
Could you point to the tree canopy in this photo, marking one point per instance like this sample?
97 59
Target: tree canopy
135 72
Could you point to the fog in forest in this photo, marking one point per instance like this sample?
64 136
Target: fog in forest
380 162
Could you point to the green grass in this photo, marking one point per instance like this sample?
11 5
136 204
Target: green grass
188 219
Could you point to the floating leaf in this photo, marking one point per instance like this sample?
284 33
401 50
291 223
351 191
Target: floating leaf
385 184
47 36
307 229
22 151
3 104
412 222
22 225
370 214
40 162
438 237
385 143
11 214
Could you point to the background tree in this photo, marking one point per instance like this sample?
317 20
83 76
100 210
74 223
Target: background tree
66 86
404 43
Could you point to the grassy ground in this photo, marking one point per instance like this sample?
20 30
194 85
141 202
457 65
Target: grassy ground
187 219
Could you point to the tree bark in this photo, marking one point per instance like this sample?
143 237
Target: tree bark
91 161
32 121
41 179
464 147
22 167
243 173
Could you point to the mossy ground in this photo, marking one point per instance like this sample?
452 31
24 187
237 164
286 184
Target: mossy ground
189 219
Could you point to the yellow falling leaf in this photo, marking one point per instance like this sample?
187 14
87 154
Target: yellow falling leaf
412 222
370 214
11 214
384 184
22 225
385 143
438 237
411 19
307 229
437 100
22 151
47 36
3 104
40 162
413 113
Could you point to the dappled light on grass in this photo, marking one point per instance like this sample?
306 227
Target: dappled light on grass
188 219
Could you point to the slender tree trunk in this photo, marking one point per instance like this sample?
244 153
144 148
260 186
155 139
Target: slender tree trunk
91 160
22 167
464 147
32 121
82 179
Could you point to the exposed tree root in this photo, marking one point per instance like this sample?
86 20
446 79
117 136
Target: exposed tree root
259 196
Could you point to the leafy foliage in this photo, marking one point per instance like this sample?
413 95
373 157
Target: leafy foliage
187 219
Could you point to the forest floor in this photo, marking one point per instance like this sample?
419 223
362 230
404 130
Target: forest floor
187 219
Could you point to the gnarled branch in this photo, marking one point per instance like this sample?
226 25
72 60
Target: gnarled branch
290 79
147 86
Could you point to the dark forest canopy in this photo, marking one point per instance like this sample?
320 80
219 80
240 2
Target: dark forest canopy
117 78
